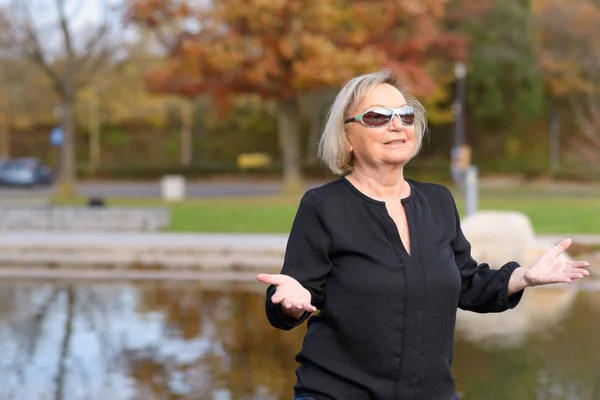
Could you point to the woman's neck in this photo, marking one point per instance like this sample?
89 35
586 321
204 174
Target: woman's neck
380 185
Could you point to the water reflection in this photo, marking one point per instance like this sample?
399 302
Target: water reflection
539 309
188 341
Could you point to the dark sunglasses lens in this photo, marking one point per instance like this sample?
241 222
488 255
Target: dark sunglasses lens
373 118
408 118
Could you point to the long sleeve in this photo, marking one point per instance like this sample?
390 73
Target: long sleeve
483 289
306 258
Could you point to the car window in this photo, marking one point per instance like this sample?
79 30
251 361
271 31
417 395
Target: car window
15 165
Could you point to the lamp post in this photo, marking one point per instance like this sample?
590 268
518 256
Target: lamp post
458 108
464 175
460 71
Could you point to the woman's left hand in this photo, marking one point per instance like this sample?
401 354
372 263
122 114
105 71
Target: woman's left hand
548 269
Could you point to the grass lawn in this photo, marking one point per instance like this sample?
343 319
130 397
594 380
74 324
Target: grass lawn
237 218
553 215
548 213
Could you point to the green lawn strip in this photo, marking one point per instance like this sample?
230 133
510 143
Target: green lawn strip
551 214
275 214
233 218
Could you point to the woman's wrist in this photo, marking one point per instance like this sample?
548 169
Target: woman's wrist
517 281
291 313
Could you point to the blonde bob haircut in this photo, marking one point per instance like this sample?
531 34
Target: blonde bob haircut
334 144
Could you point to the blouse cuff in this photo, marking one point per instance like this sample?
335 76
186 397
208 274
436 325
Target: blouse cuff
288 322
279 319
510 302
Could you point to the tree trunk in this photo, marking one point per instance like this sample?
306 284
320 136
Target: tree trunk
68 165
314 116
288 120
95 155
5 137
187 123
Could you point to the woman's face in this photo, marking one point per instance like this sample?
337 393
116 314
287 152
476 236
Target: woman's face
393 144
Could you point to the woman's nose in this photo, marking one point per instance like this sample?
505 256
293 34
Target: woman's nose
396 123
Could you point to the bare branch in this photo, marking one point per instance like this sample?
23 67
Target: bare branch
97 64
33 51
92 45
64 27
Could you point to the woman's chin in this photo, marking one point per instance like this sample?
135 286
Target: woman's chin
399 156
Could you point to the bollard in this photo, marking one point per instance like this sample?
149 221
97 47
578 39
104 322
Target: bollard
471 190
173 187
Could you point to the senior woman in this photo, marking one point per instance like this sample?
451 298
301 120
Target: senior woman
385 261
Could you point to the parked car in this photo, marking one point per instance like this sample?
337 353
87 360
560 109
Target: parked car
25 172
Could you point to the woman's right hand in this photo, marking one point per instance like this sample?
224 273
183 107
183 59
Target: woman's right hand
292 297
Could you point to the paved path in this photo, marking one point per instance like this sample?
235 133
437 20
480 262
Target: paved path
152 256
41 273
193 241
144 240
174 251
152 189
236 187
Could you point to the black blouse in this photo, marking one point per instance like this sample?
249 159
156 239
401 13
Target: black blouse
385 329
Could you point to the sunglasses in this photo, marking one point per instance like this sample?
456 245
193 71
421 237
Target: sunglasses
379 117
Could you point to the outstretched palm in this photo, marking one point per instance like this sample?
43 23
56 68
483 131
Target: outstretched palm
290 294
550 268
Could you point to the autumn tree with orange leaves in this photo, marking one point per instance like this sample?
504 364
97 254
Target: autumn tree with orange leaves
567 33
283 49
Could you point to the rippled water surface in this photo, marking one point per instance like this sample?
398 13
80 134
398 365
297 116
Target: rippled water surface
193 341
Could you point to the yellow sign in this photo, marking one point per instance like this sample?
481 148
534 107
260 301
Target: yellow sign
253 160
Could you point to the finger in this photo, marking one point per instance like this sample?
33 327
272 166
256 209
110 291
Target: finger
270 279
287 303
309 307
581 271
562 277
579 264
574 275
277 298
561 247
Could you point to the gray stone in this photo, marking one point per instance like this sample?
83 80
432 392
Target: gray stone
24 218
498 237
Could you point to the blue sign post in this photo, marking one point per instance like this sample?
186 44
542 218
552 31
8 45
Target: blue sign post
57 137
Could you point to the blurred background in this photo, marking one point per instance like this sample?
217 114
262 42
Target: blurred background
153 153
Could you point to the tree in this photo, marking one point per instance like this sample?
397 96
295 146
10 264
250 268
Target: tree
26 99
282 50
119 96
569 52
71 66
504 79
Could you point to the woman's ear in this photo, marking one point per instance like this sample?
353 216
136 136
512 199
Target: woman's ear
348 147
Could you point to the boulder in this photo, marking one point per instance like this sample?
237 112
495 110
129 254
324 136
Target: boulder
498 237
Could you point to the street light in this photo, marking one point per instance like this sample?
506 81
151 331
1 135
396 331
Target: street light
460 71
464 175
458 108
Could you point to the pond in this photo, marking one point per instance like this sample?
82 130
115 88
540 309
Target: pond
90 341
